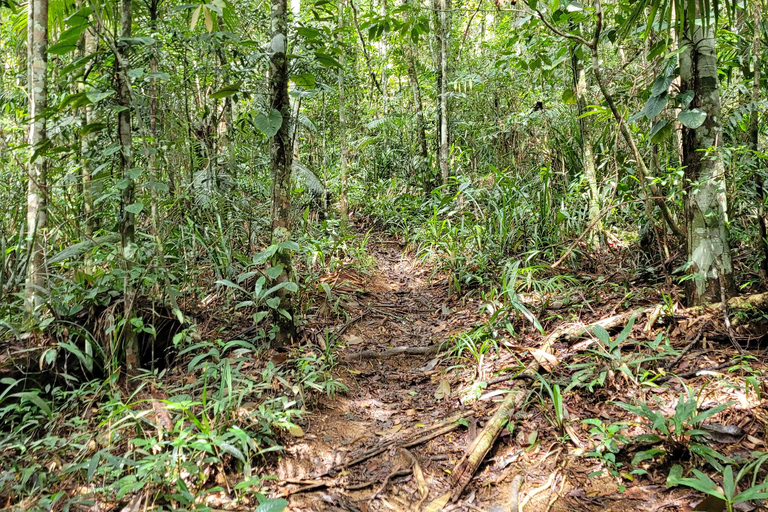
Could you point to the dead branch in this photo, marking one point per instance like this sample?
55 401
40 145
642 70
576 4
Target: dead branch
574 332
467 466
443 427
514 494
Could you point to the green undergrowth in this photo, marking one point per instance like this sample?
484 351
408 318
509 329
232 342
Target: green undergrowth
204 428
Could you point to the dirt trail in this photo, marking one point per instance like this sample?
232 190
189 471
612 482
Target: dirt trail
389 398
395 399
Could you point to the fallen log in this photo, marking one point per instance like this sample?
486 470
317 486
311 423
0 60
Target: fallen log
466 467
575 332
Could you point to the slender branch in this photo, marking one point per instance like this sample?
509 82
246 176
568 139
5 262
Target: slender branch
560 33
365 50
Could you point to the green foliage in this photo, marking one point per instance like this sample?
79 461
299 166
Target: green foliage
678 432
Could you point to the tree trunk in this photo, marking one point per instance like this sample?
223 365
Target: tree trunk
754 136
127 218
442 81
89 186
709 254
281 155
36 190
344 149
587 155
383 54
421 127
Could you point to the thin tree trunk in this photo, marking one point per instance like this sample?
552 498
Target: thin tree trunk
36 190
89 187
754 136
587 156
281 156
443 83
706 211
383 53
344 147
127 218
642 169
421 126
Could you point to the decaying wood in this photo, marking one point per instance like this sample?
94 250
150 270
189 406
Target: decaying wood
574 332
466 467
378 354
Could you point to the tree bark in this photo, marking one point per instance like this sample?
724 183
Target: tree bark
442 83
127 218
754 138
281 156
421 127
587 155
344 147
37 220
706 211
90 188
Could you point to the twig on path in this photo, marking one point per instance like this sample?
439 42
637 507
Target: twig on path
393 474
538 490
673 363
694 373
514 494
377 354
439 429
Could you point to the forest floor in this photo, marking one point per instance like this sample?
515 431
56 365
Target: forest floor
393 441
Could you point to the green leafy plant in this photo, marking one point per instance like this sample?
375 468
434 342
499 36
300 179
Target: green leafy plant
677 433
610 441
729 490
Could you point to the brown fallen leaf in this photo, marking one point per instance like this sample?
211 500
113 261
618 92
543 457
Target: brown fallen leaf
545 359
443 390
351 339
394 430
438 503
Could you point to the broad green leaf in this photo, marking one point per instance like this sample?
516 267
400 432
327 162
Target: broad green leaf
62 47
195 17
33 397
692 118
208 19
232 450
227 282
159 75
601 334
135 41
655 105
93 465
134 208
97 96
269 125
272 505
661 130
662 83
227 90
306 80
274 272
685 99
327 61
